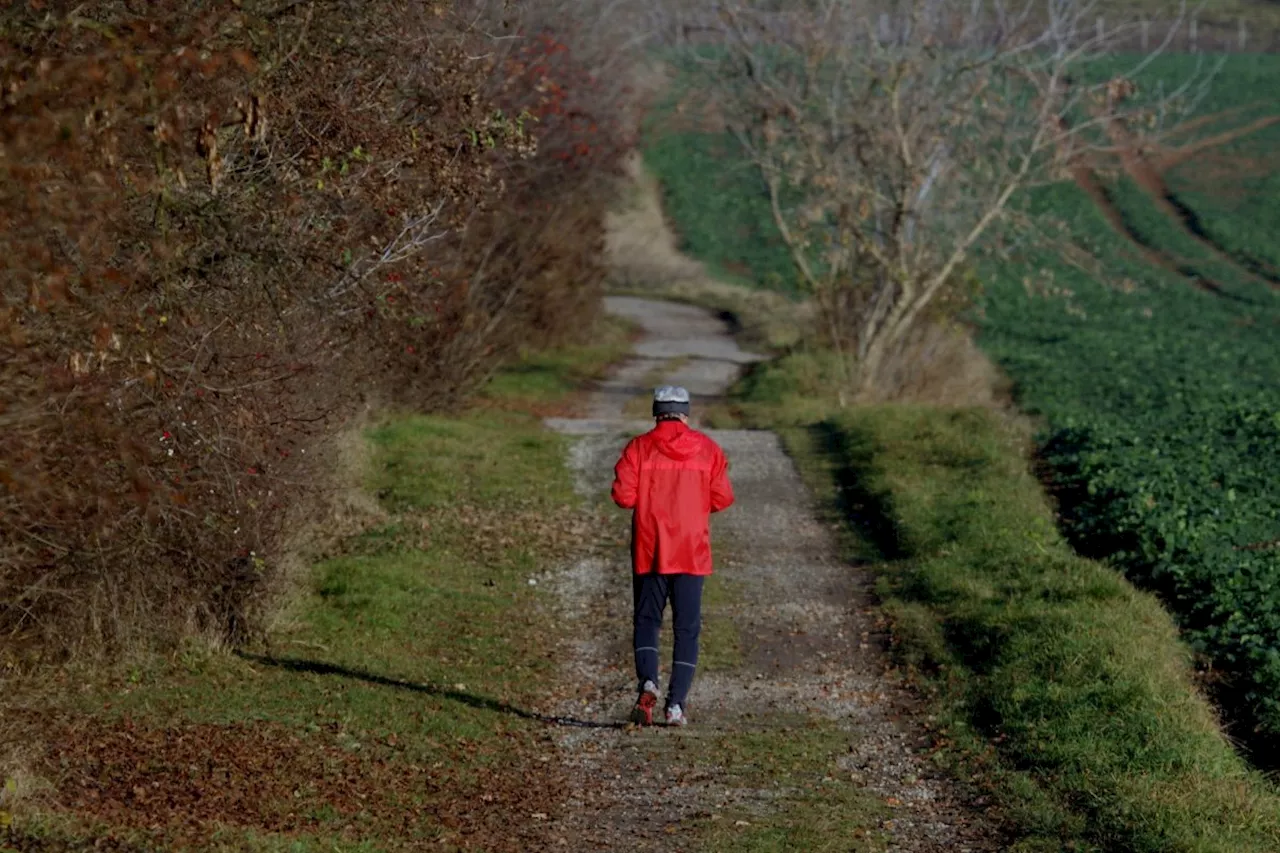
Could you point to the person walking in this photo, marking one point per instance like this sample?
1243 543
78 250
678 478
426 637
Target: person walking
672 477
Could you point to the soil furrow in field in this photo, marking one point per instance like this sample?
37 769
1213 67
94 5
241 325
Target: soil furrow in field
1150 178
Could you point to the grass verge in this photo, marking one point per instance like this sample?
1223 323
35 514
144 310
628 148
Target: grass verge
550 383
391 712
1061 685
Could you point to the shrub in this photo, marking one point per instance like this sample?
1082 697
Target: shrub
223 230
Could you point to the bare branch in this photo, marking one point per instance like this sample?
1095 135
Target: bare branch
892 143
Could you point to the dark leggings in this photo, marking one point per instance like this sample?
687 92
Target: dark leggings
651 593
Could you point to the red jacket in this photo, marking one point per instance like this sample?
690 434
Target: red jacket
673 477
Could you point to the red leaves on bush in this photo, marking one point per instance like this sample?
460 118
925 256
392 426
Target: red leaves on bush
191 236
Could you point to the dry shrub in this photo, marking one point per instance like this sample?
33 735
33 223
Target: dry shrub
940 364
225 227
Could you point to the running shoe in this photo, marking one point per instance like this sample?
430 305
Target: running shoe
642 713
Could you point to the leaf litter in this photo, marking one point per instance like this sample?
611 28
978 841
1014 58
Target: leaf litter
181 784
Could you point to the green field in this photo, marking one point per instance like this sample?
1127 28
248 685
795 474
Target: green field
1162 400
713 194
1231 191
1220 169
1163 417
1157 385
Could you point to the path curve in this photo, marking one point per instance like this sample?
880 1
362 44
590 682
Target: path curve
691 343
809 633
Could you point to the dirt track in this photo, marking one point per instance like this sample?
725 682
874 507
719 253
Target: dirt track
1147 170
809 637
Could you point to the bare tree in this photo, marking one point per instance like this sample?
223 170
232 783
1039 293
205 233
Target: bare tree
893 142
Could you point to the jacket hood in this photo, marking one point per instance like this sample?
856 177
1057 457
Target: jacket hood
677 441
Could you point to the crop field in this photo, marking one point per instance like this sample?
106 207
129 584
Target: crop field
1231 191
712 193
1151 352
1164 423
1146 336
723 210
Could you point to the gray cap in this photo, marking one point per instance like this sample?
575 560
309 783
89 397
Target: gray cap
669 400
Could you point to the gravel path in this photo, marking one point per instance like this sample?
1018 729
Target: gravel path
810 636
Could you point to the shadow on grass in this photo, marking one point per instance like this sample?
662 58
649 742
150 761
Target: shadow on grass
870 513
1084 518
868 510
481 702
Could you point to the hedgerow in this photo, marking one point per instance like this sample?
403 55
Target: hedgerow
224 227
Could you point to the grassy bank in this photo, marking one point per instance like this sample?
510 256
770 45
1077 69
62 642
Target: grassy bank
1059 684
388 710
1159 401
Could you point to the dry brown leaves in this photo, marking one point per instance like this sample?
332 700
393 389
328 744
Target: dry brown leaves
180 783
555 531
